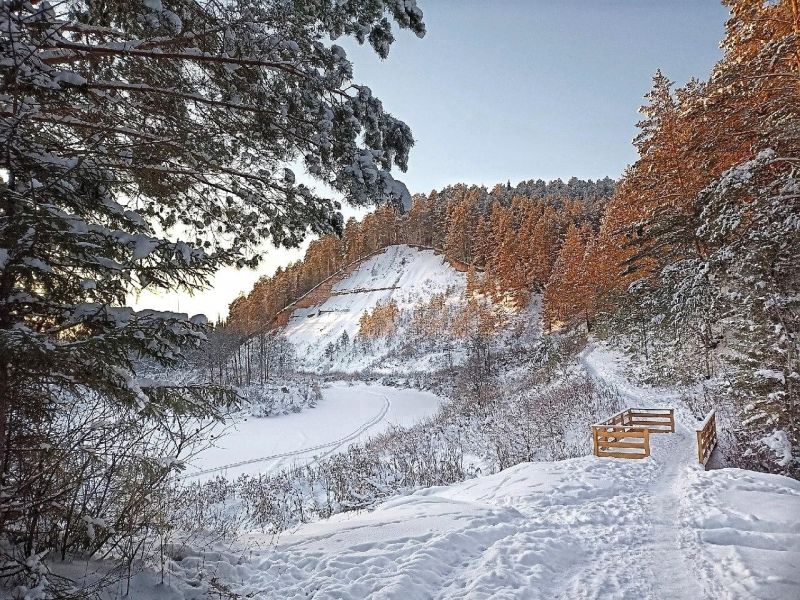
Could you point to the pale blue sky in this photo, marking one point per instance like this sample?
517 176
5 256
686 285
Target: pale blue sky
516 89
520 89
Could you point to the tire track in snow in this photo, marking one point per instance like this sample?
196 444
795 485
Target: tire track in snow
332 446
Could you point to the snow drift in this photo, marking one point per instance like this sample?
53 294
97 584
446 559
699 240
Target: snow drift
580 528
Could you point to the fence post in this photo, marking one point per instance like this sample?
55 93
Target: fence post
646 434
699 433
672 420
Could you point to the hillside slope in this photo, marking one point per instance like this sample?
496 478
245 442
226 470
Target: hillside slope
401 273
587 527
658 528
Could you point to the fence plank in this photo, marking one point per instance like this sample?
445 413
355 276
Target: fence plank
620 434
606 444
623 455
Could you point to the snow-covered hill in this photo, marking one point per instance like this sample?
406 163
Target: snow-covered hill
659 528
408 276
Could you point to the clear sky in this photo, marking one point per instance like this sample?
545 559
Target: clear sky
516 89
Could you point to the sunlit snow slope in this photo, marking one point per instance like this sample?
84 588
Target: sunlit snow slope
401 273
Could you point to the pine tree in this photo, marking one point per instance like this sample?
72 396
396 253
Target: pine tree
145 146
564 293
480 242
473 285
417 222
457 238
750 224
438 212
546 245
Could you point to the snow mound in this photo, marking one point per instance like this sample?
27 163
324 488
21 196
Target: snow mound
408 276
580 528
744 531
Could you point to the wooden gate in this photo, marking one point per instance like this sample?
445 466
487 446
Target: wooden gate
627 433
706 437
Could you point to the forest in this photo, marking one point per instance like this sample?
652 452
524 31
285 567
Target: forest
692 254
512 233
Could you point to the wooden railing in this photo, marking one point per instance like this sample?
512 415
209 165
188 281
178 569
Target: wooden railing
706 437
627 433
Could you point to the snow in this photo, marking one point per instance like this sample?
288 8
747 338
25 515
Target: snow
199 319
581 528
778 442
588 527
346 414
744 532
143 245
770 374
702 424
401 273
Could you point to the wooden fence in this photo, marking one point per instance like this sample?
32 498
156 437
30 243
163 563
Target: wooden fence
706 437
627 433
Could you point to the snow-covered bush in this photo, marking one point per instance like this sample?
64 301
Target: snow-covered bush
281 397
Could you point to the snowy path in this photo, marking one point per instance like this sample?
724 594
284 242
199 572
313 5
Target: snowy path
644 555
346 414
658 528
659 555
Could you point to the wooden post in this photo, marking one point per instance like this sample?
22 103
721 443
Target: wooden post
699 433
672 420
706 438
646 435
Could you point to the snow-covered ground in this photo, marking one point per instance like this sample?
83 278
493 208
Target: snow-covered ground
401 273
656 528
346 414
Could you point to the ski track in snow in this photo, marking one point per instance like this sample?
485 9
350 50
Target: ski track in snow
658 528
331 446
346 414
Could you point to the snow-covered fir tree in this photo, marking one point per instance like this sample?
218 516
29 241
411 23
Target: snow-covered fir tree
145 145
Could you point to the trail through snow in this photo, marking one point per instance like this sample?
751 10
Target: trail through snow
643 555
658 528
